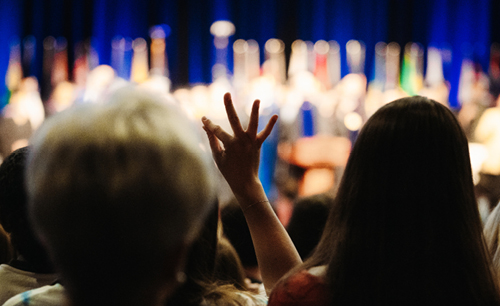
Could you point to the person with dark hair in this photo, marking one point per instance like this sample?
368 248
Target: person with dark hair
237 232
405 228
6 249
30 267
118 192
213 275
308 221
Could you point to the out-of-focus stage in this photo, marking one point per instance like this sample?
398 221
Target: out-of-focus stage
323 89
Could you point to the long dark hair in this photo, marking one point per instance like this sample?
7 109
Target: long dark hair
405 229
200 264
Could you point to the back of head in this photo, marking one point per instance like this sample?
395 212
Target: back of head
237 232
214 275
116 191
13 216
200 264
308 221
13 198
228 267
405 228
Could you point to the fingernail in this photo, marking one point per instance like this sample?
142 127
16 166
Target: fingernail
203 118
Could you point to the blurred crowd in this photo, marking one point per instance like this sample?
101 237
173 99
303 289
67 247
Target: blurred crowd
319 110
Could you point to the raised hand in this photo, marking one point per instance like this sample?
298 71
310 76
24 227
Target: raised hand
239 155
238 160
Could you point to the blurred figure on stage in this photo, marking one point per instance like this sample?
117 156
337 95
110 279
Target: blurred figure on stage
23 115
487 133
473 96
485 126
436 87
62 97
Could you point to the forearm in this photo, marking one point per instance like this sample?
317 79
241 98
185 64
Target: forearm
238 161
276 254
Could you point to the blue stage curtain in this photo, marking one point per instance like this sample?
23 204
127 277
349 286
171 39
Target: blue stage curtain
10 29
465 26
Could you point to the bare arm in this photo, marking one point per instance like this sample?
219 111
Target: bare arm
238 161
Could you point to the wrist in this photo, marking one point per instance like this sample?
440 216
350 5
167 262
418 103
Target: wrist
245 209
249 192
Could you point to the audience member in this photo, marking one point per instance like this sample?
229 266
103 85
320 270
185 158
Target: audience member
212 276
117 193
228 268
6 250
207 282
307 222
492 237
238 161
30 267
13 135
404 230
237 232
488 133
50 295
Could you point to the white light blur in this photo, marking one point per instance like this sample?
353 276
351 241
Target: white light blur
353 121
222 28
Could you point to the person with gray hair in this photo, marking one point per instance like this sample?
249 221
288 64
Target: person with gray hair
117 193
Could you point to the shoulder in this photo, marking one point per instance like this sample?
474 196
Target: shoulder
307 287
44 296
14 281
9 271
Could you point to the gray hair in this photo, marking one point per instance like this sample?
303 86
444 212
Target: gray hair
124 181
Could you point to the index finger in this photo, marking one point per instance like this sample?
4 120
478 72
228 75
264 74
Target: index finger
232 116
